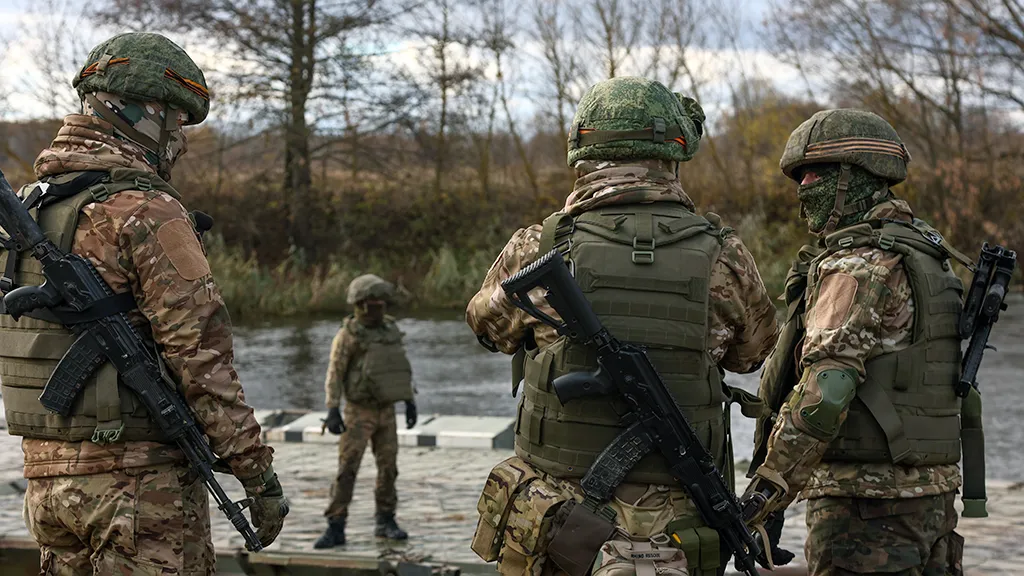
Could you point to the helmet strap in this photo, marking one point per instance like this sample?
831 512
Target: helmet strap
837 209
170 125
659 133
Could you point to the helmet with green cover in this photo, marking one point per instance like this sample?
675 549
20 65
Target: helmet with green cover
629 118
145 67
370 287
847 137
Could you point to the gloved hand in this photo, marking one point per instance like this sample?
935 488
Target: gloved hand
779 556
334 422
269 506
410 413
759 508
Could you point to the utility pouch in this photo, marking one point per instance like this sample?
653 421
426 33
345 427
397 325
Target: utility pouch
700 544
579 540
503 484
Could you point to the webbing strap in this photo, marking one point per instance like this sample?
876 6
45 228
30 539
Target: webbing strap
883 411
972 436
109 426
553 229
659 132
837 208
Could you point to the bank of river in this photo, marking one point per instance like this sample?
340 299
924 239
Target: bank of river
282 365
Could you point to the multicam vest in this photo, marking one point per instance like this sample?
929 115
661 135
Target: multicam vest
905 411
381 374
645 268
31 348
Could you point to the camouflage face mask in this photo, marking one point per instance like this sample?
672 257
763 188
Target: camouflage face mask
147 118
818 199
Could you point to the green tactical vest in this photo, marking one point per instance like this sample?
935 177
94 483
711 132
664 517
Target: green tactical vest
645 269
382 373
905 411
30 349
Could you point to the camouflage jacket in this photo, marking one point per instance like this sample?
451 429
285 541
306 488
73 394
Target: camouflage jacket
742 327
346 355
143 241
880 322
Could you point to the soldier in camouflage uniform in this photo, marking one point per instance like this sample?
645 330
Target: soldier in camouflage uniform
370 370
107 494
658 275
867 420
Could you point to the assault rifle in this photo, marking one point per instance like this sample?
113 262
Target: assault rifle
985 299
73 288
654 423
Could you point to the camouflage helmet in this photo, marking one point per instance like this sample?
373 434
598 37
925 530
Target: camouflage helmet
630 118
847 136
148 68
370 286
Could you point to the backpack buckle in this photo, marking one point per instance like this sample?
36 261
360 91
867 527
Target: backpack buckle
144 184
99 192
574 136
885 241
845 241
659 130
643 251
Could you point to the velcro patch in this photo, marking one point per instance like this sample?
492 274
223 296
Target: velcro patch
835 300
182 247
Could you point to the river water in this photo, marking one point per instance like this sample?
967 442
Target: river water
282 365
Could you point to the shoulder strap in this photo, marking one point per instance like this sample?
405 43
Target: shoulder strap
555 231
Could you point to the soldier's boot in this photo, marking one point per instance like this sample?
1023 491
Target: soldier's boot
388 528
333 536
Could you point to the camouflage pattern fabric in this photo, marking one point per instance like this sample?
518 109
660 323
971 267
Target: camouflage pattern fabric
142 521
631 103
147 118
366 425
843 332
742 327
909 537
819 198
605 182
143 242
145 67
642 511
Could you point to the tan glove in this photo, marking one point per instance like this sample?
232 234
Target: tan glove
269 506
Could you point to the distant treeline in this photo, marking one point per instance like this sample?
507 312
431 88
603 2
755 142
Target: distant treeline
420 172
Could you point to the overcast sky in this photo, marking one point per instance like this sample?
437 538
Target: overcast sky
20 78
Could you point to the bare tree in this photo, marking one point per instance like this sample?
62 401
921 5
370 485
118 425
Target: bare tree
289 57
615 29
53 32
448 71
560 60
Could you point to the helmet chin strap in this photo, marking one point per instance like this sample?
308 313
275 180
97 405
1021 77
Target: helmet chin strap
837 209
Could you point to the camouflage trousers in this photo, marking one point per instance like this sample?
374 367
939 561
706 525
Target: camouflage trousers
366 425
908 537
137 521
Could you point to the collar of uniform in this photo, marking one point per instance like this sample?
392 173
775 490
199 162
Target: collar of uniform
893 209
88 143
605 182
